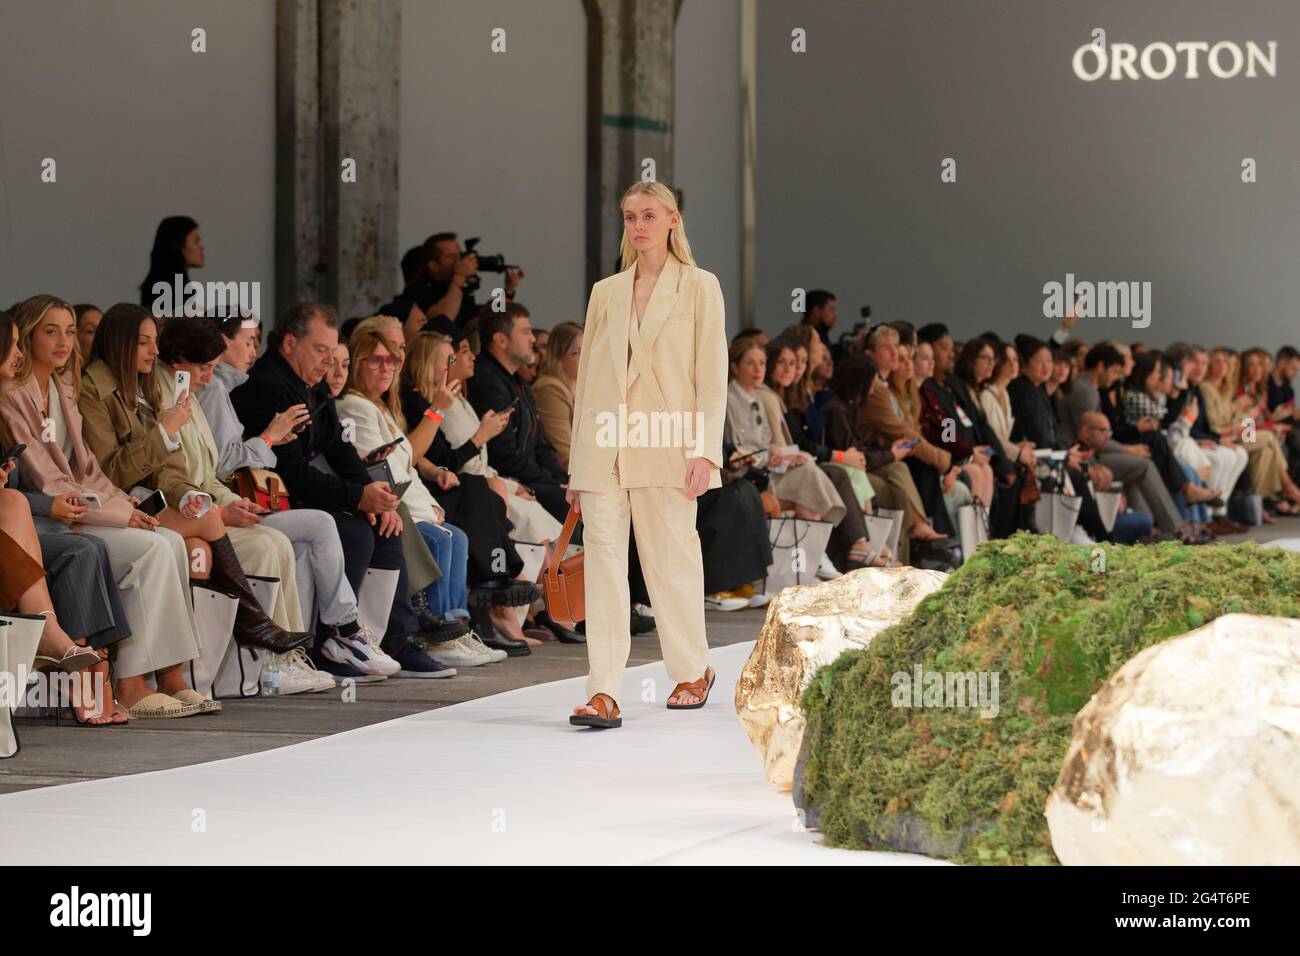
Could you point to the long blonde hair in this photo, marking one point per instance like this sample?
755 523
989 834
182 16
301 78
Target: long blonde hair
418 372
557 347
677 243
362 345
27 316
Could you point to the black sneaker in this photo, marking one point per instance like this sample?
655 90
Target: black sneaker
416 663
341 672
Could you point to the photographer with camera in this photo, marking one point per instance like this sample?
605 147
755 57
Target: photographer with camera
449 279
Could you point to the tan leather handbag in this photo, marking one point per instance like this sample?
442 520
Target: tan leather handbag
566 599
260 486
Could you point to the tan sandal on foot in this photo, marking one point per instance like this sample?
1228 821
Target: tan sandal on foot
206 705
700 688
162 707
605 718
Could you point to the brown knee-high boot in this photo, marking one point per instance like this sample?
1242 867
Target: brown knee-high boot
252 625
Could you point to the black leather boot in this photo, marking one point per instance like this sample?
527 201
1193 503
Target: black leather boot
491 637
252 626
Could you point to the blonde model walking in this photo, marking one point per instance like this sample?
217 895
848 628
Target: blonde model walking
649 406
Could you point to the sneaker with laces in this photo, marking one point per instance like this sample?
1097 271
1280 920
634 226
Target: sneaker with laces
339 672
460 652
298 675
357 652
495 653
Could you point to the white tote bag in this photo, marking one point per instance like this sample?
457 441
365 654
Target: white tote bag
883 528
1057 514
797 549
19 636
1108 505
973 526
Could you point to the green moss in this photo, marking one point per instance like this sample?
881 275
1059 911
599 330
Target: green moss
947 782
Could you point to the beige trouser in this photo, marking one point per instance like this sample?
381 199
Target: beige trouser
152 572
669 548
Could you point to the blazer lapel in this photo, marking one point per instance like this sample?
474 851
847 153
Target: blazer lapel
618 315
661 301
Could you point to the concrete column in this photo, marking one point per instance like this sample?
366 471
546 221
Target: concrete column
338 101
298 214
629 112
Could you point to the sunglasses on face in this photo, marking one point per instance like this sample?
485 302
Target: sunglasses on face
376 364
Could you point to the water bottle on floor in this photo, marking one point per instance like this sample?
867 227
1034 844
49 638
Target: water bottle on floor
270 683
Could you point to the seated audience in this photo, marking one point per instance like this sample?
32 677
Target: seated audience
553 387
150 564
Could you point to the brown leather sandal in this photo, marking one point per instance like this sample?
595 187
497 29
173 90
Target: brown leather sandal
700 688
605 718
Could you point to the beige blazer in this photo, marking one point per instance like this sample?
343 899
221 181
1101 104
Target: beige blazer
44 466
675 361
554 398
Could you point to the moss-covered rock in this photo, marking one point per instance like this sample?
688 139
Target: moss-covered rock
1053 622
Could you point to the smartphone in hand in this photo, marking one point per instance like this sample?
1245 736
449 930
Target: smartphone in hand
182 386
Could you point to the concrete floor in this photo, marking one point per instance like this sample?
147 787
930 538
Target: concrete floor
68 753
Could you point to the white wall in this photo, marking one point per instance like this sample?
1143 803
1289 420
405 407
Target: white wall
140 127
493 144
706 139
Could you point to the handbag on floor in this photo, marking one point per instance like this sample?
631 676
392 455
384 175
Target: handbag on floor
20 634
563 587
797 549
884 526
1057 514
973 527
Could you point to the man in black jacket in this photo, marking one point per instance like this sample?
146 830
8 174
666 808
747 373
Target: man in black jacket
300 350
521 451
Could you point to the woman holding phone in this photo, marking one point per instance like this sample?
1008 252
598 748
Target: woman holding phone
654 341
150 564
136 435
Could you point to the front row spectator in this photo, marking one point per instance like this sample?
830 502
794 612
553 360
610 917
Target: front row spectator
300 349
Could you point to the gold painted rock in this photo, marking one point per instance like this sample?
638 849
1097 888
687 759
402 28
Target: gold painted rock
1188 755
807 627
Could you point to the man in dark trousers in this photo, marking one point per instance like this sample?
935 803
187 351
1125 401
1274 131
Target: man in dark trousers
300 350
521 451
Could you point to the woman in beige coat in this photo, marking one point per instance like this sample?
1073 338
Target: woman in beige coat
553 389
649 408
40 409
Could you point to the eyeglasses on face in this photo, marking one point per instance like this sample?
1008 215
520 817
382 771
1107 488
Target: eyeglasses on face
376 364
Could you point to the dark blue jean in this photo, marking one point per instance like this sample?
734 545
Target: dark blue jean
449 595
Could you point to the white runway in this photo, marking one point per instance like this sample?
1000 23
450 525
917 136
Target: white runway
502 779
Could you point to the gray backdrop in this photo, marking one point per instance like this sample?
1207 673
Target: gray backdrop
1114 180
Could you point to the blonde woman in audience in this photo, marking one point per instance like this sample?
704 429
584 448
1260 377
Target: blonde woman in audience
151 564
440 363
553 388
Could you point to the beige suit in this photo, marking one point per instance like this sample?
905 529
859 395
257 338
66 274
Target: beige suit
628 455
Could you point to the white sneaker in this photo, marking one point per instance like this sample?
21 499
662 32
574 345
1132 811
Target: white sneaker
645 609
760 600
458 652
712 602
298 675
494 654
827 570
360 651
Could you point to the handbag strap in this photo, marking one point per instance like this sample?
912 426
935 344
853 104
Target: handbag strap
561 545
